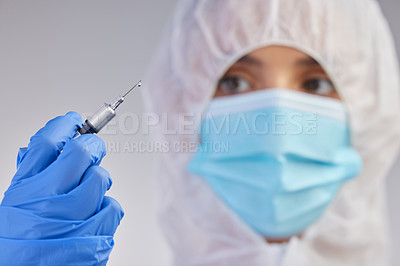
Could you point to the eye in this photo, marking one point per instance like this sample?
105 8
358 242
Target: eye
319 86
234 84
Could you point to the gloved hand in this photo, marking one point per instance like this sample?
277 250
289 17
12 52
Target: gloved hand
55 211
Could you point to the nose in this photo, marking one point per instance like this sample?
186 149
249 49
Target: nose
278 78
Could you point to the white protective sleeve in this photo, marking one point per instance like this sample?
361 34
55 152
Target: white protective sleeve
352 41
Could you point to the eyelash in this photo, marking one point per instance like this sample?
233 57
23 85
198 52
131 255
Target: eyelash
235 84
325 86
242 84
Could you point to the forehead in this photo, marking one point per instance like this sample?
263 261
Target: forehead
277 55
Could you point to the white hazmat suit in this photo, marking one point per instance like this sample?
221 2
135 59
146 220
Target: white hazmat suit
352 42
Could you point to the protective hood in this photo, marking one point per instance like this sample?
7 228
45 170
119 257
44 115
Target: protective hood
351 40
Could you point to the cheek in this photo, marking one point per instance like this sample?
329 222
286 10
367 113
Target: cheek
334 95
220 93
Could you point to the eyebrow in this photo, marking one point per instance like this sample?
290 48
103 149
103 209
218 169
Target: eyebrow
309 61
247 59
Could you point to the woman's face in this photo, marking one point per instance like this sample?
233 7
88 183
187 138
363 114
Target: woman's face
276 67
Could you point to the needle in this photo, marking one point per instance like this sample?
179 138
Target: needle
103 115
120 99
137 84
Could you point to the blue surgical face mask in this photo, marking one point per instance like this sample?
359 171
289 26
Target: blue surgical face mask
276 157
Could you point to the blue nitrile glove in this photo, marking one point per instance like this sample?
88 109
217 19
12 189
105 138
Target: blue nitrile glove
55 211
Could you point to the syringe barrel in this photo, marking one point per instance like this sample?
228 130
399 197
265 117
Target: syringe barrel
98 120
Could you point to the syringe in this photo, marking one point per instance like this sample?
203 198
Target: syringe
103 115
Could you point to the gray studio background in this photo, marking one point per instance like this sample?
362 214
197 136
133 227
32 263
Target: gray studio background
57 56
